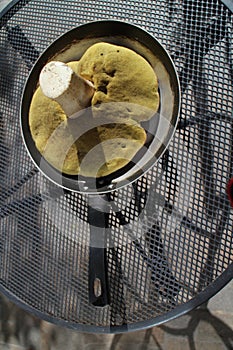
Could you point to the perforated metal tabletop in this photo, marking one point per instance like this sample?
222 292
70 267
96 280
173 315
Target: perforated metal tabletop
170 245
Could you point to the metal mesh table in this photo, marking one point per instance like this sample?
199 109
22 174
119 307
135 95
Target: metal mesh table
171 230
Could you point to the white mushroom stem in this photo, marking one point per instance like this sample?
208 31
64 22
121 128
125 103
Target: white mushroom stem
60 83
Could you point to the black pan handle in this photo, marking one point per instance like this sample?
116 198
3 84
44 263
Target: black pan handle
98 277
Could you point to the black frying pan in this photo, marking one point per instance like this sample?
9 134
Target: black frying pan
69 47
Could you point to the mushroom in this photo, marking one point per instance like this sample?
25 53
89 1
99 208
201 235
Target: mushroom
60 83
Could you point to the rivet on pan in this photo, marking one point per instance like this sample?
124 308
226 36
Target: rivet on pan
97 287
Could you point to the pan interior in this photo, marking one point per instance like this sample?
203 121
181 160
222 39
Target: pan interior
159 128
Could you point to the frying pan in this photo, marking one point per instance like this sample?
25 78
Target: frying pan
160 129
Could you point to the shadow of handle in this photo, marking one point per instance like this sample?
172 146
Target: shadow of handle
22 45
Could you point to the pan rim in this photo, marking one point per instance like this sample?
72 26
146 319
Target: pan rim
53 174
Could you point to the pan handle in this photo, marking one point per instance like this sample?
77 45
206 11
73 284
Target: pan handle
98 277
